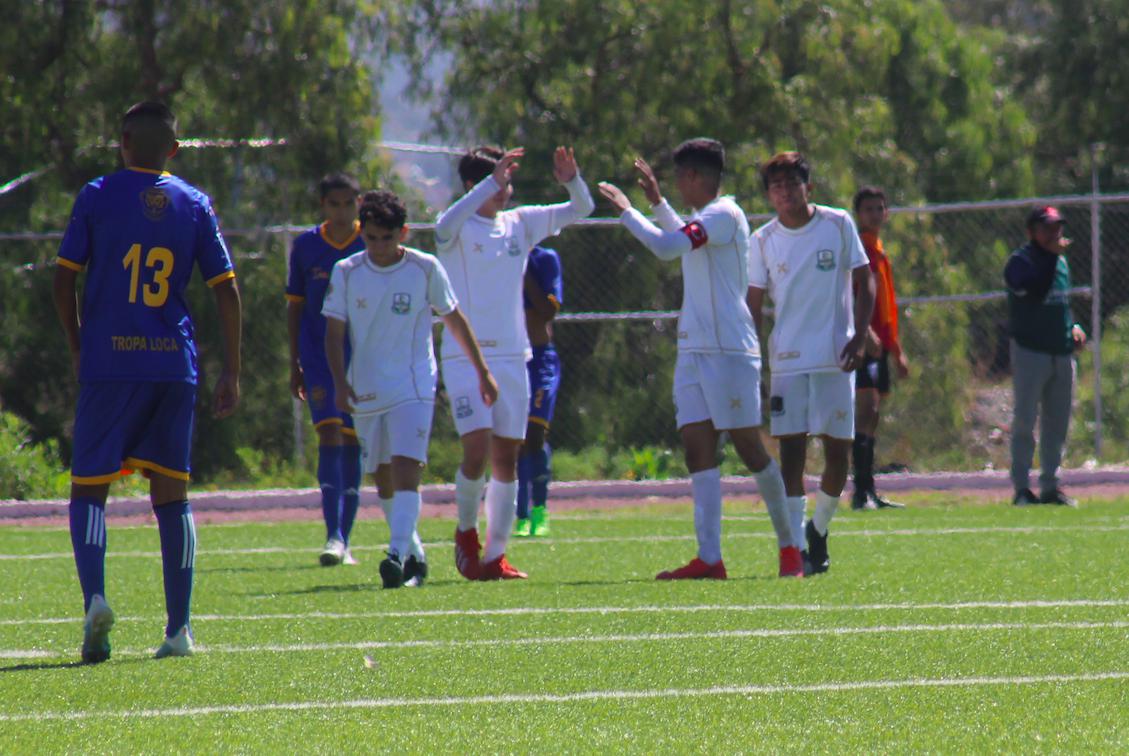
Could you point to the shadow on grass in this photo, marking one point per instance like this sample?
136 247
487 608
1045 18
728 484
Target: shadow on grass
27 667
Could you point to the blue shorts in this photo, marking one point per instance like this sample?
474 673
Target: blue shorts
322 399
544 383
123 426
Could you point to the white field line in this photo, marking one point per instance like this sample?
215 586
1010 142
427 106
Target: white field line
523 611
288 648
559 698
990 530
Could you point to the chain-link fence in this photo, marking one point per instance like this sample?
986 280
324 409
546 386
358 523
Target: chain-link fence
616 338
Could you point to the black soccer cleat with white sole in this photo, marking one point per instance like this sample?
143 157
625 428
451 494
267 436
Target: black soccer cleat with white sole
415 572
817 556
392 571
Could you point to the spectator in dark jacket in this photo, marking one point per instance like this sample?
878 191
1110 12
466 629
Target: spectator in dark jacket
1044 338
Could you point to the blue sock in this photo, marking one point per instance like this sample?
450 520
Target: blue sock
88 537
541 475
351 485
329 479
524 474
178 554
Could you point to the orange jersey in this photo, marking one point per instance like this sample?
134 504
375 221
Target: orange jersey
885 318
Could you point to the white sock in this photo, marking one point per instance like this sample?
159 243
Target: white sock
405 515
706 485
416 548
797 506
468 494
501 511
825 506
770 483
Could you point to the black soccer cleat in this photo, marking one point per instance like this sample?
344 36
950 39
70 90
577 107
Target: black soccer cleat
817 555
1024 497
415 572
392 571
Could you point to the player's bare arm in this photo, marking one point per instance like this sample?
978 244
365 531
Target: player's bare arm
335 356
754 298
225 398
65 292
293 327
854 353
458 326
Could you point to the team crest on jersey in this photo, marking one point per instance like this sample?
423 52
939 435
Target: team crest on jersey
825 259
319 274
401 303
317 396
155 203
513 248
462 407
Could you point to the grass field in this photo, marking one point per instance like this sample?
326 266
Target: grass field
950 626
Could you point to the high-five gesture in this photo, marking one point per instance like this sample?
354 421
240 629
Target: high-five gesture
615 195
647 181
564 165
507 165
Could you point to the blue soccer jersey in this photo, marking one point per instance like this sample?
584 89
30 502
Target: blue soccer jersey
312 258
545 266
138 234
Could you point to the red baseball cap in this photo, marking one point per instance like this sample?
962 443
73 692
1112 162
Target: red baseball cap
1045 214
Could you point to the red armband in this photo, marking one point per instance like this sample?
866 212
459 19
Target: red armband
696 232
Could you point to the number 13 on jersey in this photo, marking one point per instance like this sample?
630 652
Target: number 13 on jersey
160 260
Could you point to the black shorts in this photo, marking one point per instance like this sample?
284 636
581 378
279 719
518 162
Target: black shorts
874 374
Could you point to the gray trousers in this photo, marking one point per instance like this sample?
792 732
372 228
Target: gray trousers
1044 387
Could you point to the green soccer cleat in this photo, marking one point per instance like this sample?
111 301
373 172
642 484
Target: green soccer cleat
523 528
96 631
539 521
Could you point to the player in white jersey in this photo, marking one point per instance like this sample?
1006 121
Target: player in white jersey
484 248
810 260
382 298
717 376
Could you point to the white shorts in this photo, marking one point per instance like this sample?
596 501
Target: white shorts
402 431
724 388
509 415
819 404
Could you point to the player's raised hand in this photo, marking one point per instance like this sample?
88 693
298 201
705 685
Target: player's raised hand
488 388
647 182
226 396
342 394
615 196
564 165
507 165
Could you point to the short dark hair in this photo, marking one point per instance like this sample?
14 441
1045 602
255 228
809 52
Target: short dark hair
151 126
479 163
869 192
702 155
383 208
793 163
331 182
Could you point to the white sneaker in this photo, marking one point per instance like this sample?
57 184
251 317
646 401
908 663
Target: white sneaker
96 631
349 559
333 553
177 645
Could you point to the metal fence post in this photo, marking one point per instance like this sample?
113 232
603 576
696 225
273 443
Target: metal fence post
297 412
1096 298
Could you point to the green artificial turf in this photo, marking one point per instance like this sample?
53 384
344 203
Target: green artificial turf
955 625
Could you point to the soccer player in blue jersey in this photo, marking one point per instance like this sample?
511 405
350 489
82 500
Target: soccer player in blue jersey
542 297
138 234
312 257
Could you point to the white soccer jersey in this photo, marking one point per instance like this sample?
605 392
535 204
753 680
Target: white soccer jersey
714 247
486 257
807 272
388 313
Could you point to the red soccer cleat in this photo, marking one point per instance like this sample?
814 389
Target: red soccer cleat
791 562
467 550
696 570
500 569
